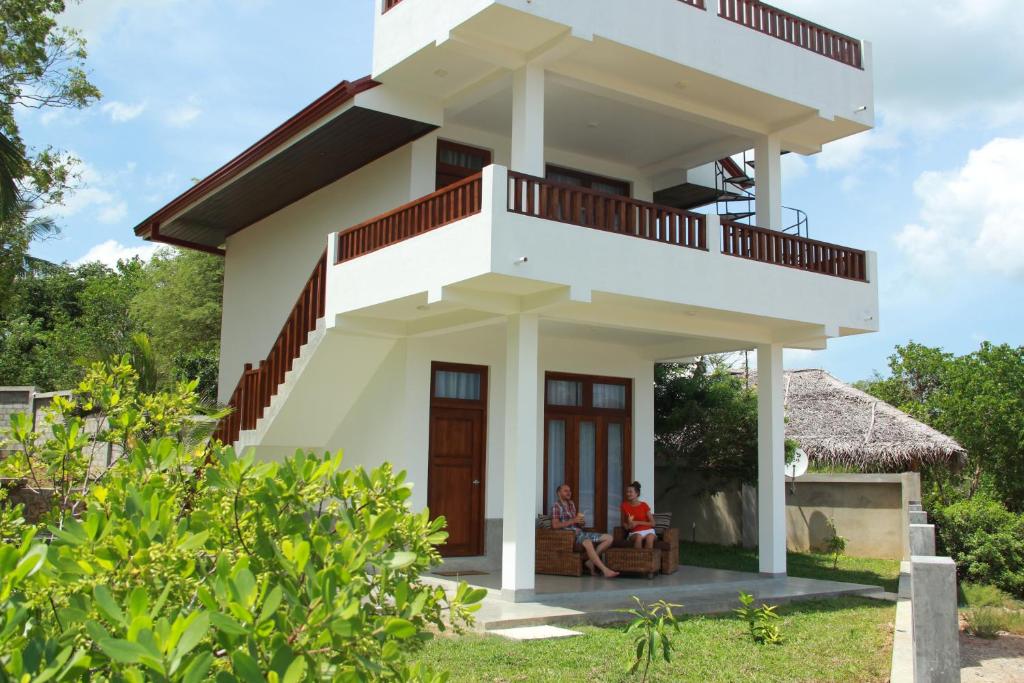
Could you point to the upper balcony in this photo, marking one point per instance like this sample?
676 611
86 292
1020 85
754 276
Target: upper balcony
741 66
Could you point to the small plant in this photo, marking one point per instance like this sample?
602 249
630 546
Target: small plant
836 544
987 622
653 626
762 622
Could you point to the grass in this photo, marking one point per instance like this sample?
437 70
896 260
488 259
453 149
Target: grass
884 573
843 639
989 610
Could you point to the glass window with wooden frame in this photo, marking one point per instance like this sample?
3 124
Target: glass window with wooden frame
594 183
456 161
587 432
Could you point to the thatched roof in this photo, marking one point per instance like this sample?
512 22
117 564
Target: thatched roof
837 424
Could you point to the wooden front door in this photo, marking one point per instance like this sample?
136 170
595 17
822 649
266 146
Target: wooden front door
587 434
457 455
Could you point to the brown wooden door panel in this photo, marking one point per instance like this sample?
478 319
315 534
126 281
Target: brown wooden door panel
457 464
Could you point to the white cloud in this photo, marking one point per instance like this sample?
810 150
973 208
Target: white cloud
121 112
183 114
801 359
112 251
971 216
849 153
938 63
113 213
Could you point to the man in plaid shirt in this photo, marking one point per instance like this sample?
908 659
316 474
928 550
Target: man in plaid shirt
565 516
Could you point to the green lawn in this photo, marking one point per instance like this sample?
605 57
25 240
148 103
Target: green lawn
884 573
844 639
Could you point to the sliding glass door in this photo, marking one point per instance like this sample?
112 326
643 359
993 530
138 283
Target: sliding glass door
586 429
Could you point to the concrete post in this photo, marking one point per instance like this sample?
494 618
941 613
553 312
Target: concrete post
936 626
918 517
768 157
528 120
521 458
771 461
922 540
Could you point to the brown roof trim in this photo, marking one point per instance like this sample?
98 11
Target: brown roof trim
329 101
155 236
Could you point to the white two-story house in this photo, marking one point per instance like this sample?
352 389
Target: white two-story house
469 262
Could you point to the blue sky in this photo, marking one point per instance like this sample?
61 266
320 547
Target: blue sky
937 189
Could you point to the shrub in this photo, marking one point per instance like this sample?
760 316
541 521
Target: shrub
986 540
188 562
836 544
762 622
652 628
987 622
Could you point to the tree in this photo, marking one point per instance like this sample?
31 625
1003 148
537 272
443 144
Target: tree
41 67
978 399
705 421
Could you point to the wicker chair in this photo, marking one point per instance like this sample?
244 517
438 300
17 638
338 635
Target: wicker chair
557 553
667 543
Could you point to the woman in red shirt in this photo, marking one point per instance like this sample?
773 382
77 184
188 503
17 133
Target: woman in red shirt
637 518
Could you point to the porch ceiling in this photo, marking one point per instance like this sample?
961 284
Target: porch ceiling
658 330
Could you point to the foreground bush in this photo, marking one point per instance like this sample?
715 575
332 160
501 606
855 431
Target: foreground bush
986 540
186 563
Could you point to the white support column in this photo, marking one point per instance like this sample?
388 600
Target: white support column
521 458
528 120
771 461
768 174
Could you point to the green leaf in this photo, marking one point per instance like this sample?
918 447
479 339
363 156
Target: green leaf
381 525
194 541
194 634
270 604
246 667
227 625
400 628
198 668
399 559
296 671
122 651
138 602
107 604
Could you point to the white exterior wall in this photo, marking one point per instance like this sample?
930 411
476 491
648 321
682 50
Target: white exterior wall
391 419
268 263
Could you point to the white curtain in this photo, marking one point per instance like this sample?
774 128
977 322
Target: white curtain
556 458
461 385
612 396
564 393
615 475
588 471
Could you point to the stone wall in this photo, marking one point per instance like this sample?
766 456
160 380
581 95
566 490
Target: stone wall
870 511
14 400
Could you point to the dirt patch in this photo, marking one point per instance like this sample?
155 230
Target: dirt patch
1000 660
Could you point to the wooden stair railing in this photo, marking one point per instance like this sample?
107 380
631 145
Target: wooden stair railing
794 30
540 198
389 4
257 386
793 251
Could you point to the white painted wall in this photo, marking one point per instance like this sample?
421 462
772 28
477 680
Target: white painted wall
268 263
390 420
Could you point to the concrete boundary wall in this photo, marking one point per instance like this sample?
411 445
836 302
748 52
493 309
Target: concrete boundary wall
870 510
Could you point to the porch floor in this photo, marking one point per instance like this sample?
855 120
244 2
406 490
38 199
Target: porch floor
568 600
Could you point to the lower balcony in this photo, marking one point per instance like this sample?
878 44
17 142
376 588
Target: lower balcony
542 199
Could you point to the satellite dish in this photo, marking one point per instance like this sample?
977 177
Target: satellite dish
798 467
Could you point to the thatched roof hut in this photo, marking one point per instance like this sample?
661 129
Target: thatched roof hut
837 424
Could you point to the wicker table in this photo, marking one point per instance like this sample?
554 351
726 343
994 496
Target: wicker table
634 560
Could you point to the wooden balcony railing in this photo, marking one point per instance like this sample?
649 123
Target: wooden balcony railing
389 4
445 206
792 29
782 249
694 3
537 197
259 385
